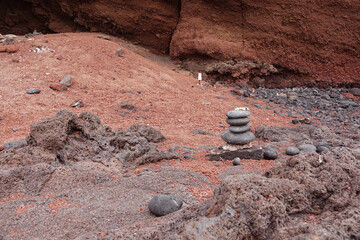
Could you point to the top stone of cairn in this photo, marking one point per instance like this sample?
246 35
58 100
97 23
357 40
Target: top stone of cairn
238 113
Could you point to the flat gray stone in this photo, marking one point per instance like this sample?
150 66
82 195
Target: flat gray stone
237 121
237 114
14 144
161 205
292 151
239 129
220 154
33 91
237 139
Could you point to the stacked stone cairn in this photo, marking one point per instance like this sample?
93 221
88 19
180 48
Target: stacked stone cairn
239 131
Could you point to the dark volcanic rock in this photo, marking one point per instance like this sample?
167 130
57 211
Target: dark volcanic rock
161 205
236 161
270 154
292 151
148 132
219 154
239 129
237 139
307 148
238 114
33 91
237 121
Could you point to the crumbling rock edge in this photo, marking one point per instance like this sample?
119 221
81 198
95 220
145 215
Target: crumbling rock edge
67 139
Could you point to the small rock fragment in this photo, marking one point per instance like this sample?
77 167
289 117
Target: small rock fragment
105 37
292 151
355 91
33 91
119 52
77 104
236 161
59 87
67 81
161 205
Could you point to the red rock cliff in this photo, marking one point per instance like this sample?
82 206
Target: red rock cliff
266 42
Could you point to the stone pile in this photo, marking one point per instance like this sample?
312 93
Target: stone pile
239 131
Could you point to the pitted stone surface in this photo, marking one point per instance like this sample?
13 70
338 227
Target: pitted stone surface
237 121
239 129
237 139
237 114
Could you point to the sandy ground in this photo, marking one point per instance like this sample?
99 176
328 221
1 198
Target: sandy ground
167 98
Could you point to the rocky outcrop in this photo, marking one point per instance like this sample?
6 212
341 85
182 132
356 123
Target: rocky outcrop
149 23
267 43
318 41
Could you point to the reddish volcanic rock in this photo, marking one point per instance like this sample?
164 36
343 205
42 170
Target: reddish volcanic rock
59 87
282 43
316 40
9 48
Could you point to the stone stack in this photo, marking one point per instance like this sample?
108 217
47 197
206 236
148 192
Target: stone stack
239 131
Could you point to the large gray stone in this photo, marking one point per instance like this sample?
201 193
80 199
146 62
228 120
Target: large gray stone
237 139
239 129
237 114
161 205
307 148
237 121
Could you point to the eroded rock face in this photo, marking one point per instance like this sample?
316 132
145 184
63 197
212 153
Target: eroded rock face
149 23
66 139
267 43
270 39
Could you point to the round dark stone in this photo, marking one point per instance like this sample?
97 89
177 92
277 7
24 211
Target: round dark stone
237 121
236 161
295 121
307 148
161 205
239 129
322 149
292 151
237 114
237 139
33 91
270 154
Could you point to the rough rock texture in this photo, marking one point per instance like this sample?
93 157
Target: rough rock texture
66 139
271 39
149 23
308 43
300 198
267 43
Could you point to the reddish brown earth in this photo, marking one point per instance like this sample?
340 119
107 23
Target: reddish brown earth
89 200
286 43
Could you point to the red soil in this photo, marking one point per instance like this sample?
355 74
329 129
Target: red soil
172 102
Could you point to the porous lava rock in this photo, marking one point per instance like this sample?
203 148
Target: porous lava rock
67 138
